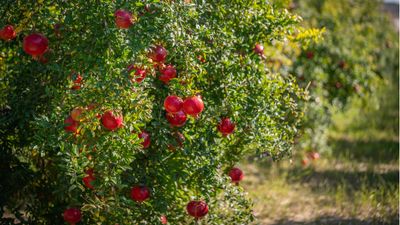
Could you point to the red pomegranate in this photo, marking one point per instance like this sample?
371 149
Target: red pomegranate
7 33
158 54
193 105
72 215
70 125
176 119
226 126
35 44
76 113
313 155
123 19
110 121
173 104
163 219
77 81
146 139
310 55
90 171
236 175
197 209
259 49
168 73
304 161
139 74
140 193
88 181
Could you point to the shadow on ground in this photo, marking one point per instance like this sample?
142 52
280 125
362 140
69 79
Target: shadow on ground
378 151
330 180
332 220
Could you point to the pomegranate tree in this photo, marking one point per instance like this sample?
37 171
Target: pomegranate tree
159 98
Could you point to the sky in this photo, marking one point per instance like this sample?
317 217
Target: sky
394 1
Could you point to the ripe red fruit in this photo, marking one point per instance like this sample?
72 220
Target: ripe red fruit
158 54
70 125
173 104
314 155
193 105
236 175
110 121
259 49
163 219
123 19
177 119
76 113
338 85
140 193
35 44
77 82
197 209
7 33
304 162
139 74
88 181
226 126
90 171
168 73
310 55
72 215
146 139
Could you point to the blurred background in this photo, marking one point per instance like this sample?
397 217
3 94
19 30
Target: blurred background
353 178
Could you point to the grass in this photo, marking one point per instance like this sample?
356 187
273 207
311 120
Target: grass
356 183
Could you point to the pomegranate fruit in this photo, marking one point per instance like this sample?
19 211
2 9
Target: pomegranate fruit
304 162
168 73
123 19
259 49
197 209
226 126
110 121
72 215
173 104
7 33
76 113
193 105
88 181
236 175
158 54
35 44
146 139
176 119
70 125
310 55
139 74
314 155
163 219
77 82
140 193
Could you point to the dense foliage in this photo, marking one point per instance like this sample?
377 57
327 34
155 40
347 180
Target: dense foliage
83 126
